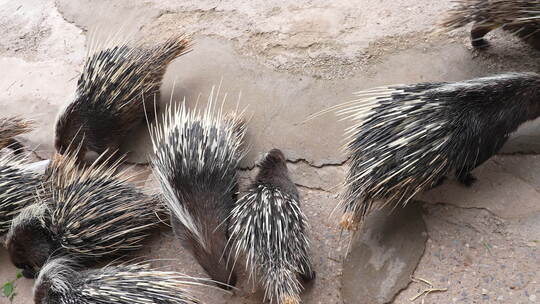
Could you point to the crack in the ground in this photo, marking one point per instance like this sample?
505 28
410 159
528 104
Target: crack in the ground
301 160
314 188
323 165
462 207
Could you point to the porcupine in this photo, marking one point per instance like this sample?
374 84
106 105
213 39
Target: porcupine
111 92
61 282
521 17
18 185
406 138
195 160
91 212
11 127
268 227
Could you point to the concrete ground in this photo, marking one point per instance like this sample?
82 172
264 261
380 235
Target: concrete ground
290 59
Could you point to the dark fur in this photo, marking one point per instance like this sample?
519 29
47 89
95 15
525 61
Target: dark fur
484 119
207 195
93 128
11 127
30 247
268 229
43 293
210 207
62 281
487 118
212 259
31 244
273 172
94 124
476 117
18 190
518 17
529 34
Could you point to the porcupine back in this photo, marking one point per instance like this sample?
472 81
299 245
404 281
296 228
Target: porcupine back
17 189
11 127
91 212
195 159
268 229
117 216
114 84
493 13
520 17
60 282
405 138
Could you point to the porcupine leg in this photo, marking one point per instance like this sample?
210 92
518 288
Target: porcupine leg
464 175
466 178
477 36
308 275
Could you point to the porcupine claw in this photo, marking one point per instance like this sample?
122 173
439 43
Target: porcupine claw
348 222
290 300
467 179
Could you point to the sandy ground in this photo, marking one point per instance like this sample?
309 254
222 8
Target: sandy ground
289 59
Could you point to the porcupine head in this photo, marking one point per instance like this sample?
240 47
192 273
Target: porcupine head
273 170
55 282
28 242
280 284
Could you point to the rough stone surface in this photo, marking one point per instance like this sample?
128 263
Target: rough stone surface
290 60
40 55
382 259
477 257
507 186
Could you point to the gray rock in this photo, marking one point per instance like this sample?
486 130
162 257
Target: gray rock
384 257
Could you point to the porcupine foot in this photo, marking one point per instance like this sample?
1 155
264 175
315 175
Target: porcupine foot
289 300
308 277
348 222
466 179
